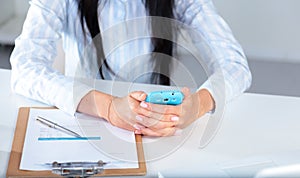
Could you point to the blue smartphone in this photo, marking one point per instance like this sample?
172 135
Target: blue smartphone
173 97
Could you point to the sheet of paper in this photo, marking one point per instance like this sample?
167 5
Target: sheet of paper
100 141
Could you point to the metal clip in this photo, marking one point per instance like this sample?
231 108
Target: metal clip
77 169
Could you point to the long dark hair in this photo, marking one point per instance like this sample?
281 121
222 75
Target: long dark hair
159 8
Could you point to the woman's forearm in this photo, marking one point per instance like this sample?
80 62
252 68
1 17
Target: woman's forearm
207 102
96 104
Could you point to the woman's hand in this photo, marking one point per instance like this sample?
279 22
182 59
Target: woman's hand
123 113
132 113
119 111
165 120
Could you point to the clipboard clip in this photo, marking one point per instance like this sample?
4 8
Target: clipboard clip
78 169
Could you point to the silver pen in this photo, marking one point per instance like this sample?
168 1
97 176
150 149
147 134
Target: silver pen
56 126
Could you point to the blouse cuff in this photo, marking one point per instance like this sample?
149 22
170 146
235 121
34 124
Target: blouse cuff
72 98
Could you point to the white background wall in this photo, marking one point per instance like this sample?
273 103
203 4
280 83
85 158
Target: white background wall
6 10
9 8
267 29
21 6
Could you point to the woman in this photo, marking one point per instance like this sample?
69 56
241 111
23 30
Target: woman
76 22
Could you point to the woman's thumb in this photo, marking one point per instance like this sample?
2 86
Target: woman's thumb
138 95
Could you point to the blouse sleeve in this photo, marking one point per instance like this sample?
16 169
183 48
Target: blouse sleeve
227 63
35 50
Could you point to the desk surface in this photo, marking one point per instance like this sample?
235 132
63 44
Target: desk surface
257 131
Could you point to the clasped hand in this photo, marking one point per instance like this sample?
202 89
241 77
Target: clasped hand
133 113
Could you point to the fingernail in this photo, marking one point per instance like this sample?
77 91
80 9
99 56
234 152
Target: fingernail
143 104
142 95
137 132
138 127
139 118
178 132
174 118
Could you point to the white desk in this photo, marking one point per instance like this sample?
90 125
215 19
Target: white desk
257 131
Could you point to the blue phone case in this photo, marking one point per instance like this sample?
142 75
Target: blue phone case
165 97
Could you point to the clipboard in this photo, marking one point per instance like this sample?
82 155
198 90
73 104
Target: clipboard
13 170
